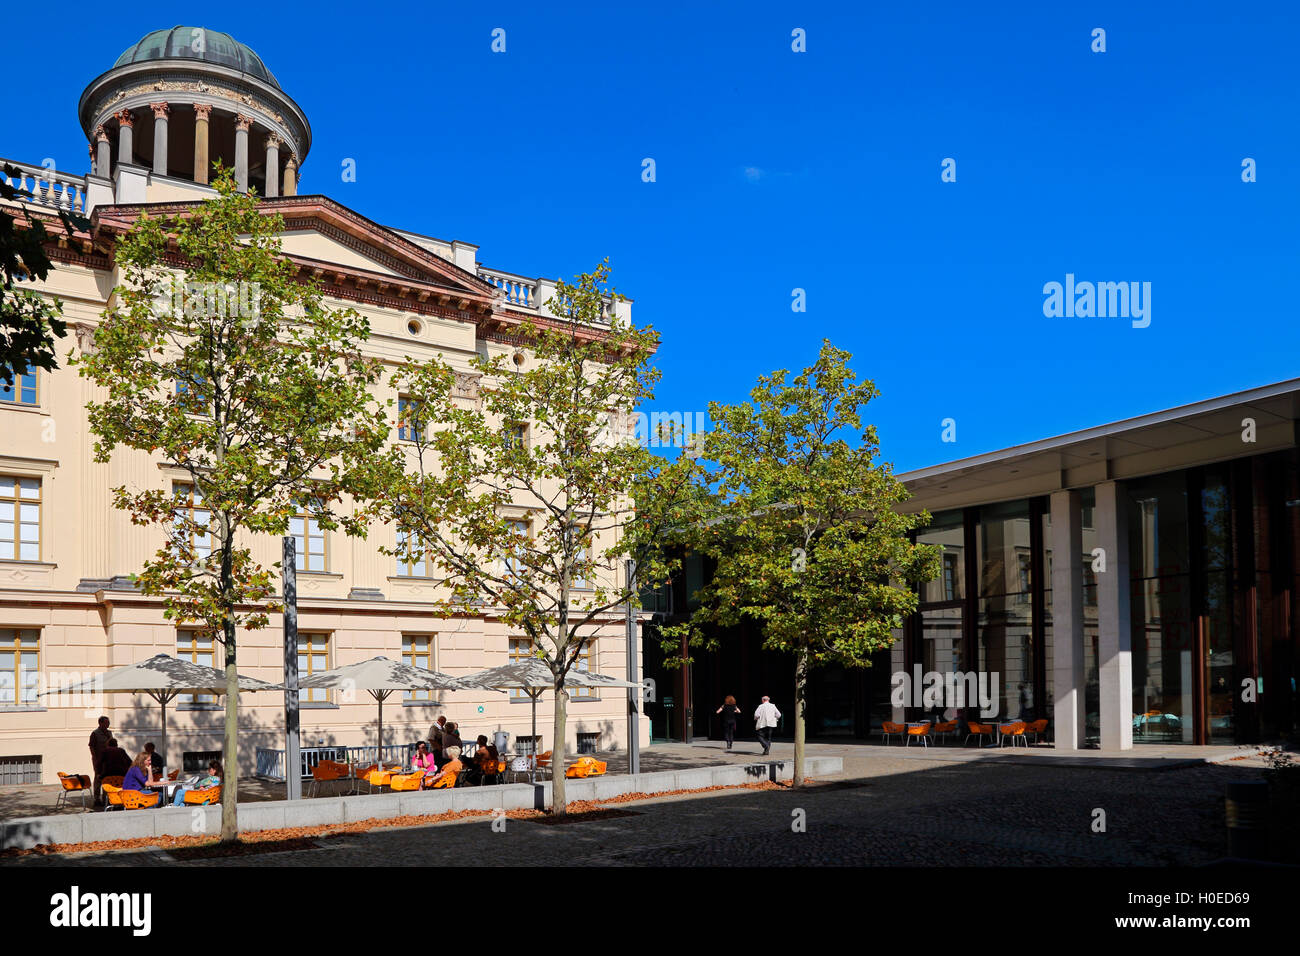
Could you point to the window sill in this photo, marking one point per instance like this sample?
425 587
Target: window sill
209 707
316 705
21 709
328 575
20 563
18 407
414 579
572 700
422 703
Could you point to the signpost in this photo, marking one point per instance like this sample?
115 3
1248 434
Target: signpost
633 693
292 757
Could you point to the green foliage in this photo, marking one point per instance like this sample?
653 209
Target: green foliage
273 407
804 527
29 322
465 481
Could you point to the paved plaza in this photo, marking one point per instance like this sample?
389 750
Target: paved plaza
890 806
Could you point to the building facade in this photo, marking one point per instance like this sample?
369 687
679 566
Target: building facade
1133 583
172 105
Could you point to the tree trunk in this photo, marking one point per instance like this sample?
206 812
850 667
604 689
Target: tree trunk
800 700
558 800
230 747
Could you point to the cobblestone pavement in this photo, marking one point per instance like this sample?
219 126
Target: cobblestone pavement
884 810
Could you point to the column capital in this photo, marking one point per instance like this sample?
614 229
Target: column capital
124 118
292 161
160 110
202 111
243 122
273 141
101 135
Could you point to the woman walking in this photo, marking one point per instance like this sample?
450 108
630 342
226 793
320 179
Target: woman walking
729 712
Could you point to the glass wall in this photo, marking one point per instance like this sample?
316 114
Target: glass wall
1004 622
941 600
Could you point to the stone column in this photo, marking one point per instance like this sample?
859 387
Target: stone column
201 113
242 123
1068 680
1114 637
273 144
291 176
125 124
102 152
160 111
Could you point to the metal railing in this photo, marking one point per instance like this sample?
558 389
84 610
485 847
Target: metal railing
46 187
270 763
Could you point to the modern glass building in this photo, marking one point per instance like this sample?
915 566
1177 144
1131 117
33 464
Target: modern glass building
1133 583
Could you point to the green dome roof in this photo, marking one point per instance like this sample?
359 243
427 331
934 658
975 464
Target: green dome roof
198 43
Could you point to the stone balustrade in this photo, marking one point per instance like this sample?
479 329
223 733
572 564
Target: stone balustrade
46 187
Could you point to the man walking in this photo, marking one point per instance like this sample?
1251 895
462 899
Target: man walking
765 718
99 740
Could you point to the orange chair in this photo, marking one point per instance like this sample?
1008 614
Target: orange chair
444 782
889 729
585 767
72 783
1038 729
544 763
324 772
945 728
978 731
380 778
406 781
139 800
921 733
1014 731
112 793
204 797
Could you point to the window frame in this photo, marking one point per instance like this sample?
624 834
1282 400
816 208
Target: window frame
517 693
407 431
410 657
11 492
405 567
11 641
188 505
196 701
310 653
584 657
302 543
17 389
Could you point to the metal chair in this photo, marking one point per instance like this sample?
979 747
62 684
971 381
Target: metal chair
890 729
921 733
72 783
1014 731
978 731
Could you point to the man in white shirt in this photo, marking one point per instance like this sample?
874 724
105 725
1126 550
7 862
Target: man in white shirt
765 718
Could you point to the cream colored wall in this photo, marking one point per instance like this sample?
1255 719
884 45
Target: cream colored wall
84 537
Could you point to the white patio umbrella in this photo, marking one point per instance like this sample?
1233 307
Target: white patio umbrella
381 676
533 676
162 677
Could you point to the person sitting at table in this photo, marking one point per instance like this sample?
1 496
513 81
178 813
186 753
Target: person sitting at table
115 761
213 779
137 778
422 759
451 738
155 761
485 759
452 767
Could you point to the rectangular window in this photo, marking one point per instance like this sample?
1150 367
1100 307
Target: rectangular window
409 423
950 571
192 518
517 435
418 651
313 657
20 518
190 395
197 647
409 565
515 560
521 648
583 664
20 662
581 575
309 549
22 391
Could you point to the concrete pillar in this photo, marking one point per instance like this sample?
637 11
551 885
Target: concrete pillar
160 111
273 144
1068 678
1114 637
201 113
291 176
242 123
125 124
102 153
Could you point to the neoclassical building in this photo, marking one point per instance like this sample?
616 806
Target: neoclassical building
171 106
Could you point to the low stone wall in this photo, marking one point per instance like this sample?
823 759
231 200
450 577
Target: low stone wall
277 814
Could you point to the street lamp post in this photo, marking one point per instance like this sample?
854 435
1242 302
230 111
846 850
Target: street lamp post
292 753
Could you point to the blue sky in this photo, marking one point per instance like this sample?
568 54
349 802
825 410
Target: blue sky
778 170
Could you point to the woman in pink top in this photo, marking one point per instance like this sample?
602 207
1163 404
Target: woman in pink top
422 759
